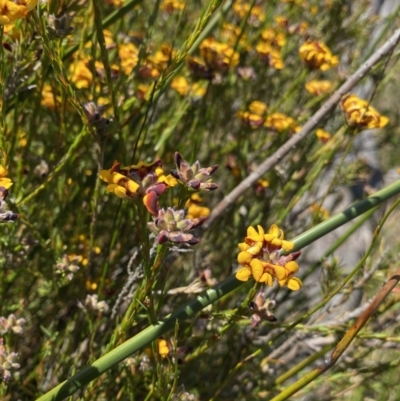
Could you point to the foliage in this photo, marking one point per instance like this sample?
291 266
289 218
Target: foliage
123 126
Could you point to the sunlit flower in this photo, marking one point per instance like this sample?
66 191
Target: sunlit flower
280 122
241 8
49 99
194 208
157 62
194 177
318 87
270 55
260 258
359 113
80 74
7 361
172 225
11 324
218 56
129 56
13 10
172 5
184 88
67 266
254 117
273 37
92 304
145 180
316 55
4 181
322 135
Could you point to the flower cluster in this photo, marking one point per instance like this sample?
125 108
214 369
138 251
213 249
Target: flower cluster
184 88
316 87
194 208
218 56
359 113
7 361
13 10
193 176
11 324
317 56
260 258
145 180
261 310
322 135
66 266
280 122
254 116
171 226
92 304
269 47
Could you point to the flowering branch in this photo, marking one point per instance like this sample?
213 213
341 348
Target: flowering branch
310 125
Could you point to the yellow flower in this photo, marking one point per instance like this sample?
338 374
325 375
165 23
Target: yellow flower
172 5
11 11
4 181
145 180
218 56
80 74
316 55
257 107
281 123
322 135
194 209
49 100
359 113
250 119
241 8
273 37
260 258
318 87
255 116
270 55
129 55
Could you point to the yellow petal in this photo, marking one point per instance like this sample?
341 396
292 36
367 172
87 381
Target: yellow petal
255 249
287 245
274 231
244 258
267 279
257 269
294 284
243 274
105 175
131 186
163 348
292 267
243 246
383 121
120 192
251 231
